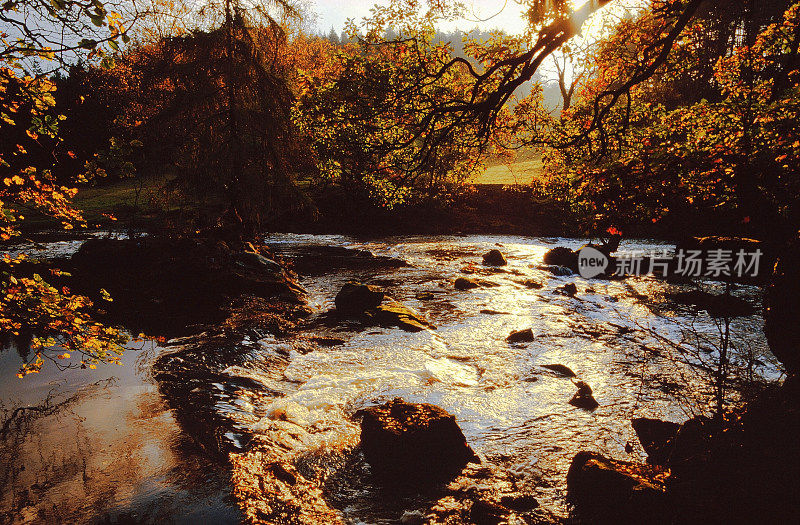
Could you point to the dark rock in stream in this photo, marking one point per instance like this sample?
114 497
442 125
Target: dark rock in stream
356 298
408 444
463 284
583 398
562 256
167 287
393 313
568 289
607 491
325 341
371 306
560 271
531 283
494 258
321 260
657 438
520 336
562 370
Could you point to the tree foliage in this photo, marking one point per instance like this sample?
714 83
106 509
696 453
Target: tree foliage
678 157
54 322
373 108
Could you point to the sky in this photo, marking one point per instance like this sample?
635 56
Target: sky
486 14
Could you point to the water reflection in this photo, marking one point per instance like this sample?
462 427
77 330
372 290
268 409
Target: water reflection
101 446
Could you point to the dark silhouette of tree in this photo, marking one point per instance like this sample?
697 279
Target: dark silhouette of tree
214 108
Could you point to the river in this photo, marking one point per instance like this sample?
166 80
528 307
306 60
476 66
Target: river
113 451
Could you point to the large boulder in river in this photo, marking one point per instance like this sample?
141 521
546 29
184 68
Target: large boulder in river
409 443
463 284
562 256
782 309
494 258
606 491
171 287
356 298
657 438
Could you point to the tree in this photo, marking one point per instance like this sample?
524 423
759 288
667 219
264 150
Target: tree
45 35
212 109
365 107
680 159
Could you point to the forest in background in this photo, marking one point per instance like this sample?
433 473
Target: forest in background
233 110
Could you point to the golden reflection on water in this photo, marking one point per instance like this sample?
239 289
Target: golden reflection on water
110 448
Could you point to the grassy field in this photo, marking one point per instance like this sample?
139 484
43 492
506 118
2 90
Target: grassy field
118 197
523 172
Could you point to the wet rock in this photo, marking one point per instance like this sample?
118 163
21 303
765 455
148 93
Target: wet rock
494 258
393 313
356 298
782 309
519 502
606 491
488 513
170 287
657 438
562 256
320 260
717 305
568 289
462 283
561 369
584 398
531 283
520 336
408 443
493 312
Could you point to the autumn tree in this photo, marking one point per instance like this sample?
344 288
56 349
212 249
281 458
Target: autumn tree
212 108
669 155
39 37
365 113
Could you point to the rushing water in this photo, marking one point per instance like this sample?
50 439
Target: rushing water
513 412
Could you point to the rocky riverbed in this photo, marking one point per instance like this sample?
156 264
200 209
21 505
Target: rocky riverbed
284 400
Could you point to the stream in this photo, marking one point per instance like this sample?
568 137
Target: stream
110 449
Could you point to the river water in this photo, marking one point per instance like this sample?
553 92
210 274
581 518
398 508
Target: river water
116 453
